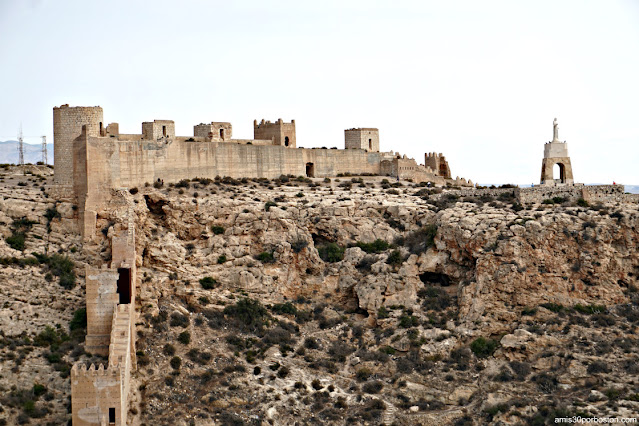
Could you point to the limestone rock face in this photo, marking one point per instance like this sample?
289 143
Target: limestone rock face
344 316
495 260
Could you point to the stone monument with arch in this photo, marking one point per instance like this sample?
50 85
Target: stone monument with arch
556 153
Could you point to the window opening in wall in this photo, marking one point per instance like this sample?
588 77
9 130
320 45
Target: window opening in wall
286 141
164 131
310 170
370 144
100 128
222 133
112 415
124 285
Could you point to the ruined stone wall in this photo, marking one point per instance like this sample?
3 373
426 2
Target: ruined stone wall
438 163
538 194
216 131
67 126
590 193
606 194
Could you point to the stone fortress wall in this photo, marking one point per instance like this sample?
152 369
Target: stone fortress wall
92 159
99 396
94 164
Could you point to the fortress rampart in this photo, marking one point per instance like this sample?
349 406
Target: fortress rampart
100 396
91 160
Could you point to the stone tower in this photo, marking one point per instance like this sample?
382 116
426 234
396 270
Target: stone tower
438 163
67 126
556 152
362 138
279 132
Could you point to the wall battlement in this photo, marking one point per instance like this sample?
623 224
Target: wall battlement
280 132
94 161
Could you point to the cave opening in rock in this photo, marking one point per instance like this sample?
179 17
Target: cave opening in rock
431 278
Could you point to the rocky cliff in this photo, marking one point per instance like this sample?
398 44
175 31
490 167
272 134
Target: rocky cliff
360 301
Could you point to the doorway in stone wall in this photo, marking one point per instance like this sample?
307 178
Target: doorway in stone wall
370 144
124 285
222 134
310 170
286 141
559 170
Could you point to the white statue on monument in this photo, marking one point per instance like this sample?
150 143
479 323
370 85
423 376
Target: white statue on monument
555 131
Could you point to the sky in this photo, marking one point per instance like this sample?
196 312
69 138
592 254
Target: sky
479 81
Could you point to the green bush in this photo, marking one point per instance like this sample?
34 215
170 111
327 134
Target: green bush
395 258
184 337
483 347
16 241
79 320
266 257
249 313
589 309
169 349
269 204
176 362
419 241
331 252
376 246
39 390
217 230
408 321
373 387
184 183
221 259
284 308
299 245
208 283
582 203
553 307
52 213
382 313
62 267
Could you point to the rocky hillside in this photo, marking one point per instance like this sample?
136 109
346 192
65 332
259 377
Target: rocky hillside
351 301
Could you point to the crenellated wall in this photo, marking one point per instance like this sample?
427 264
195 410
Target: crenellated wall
97 395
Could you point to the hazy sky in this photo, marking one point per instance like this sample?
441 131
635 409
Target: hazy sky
479 81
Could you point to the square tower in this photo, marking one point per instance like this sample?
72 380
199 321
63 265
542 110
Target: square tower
280 133
158 129
362 138
214 131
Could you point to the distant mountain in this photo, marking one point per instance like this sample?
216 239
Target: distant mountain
32 153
